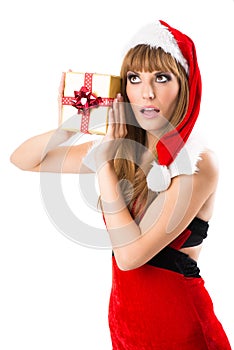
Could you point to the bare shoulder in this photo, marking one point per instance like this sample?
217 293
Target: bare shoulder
208 164
207 176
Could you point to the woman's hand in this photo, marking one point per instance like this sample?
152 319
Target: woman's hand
31 153
60 96
64 134
116 132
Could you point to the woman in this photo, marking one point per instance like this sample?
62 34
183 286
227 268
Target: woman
157 187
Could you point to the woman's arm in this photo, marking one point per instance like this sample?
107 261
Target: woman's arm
44 153
169 214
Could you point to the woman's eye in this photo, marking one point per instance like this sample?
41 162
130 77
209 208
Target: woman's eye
162 78
133 78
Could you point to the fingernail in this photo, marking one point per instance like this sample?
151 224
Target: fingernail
119 95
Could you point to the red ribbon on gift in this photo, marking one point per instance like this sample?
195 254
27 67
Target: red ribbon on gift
84 100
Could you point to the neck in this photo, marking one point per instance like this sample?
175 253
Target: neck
151 140
153 136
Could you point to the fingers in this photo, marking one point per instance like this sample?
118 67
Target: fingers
62 83
121 110
116 117
61 94
121 117
111 124
117 125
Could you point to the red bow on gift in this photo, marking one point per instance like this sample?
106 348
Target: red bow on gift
85 99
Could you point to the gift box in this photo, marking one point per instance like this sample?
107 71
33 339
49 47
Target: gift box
86 101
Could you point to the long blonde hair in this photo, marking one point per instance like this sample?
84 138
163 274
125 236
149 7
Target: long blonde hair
132 178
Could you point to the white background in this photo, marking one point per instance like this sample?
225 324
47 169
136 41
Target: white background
54 293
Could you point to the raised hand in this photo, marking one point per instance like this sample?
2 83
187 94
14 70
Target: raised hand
60 95
116 133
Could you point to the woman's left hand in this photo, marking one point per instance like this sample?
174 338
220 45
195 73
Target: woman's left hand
116 132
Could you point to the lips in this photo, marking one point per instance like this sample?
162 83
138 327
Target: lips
150 111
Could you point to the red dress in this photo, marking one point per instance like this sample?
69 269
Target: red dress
163 305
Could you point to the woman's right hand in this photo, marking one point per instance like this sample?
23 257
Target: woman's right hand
116 132
60 96
31 153
44 152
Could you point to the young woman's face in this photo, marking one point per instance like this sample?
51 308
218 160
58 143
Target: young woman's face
153 98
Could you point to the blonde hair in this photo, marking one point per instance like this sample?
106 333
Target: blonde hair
132 178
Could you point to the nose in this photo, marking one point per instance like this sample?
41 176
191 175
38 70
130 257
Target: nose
148 92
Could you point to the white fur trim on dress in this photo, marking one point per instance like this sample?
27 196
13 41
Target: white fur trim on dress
157 35
159 176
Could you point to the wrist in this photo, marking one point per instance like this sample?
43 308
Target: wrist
104 165
57 138
109 187
105 170
63 135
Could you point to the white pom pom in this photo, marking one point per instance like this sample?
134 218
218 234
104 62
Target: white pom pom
158 178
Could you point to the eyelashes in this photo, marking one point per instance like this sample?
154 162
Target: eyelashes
163 77
133 78
160 77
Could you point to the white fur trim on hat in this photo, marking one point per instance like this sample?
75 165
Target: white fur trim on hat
158 35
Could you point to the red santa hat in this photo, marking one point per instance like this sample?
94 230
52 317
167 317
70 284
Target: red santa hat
182 48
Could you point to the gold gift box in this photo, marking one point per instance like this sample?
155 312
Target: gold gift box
92 120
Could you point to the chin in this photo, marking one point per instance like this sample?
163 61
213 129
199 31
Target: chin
153 126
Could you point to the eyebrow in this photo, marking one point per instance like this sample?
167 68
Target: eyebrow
131 71
155 72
